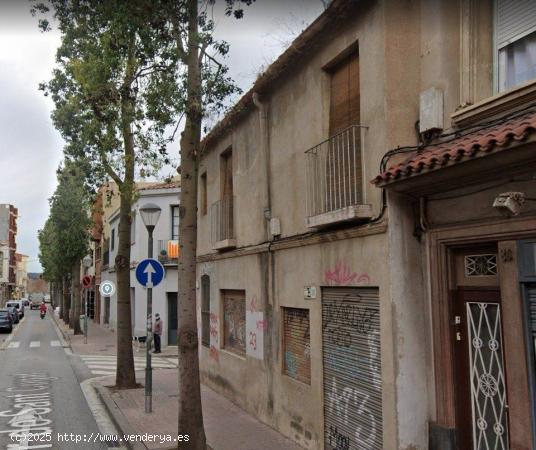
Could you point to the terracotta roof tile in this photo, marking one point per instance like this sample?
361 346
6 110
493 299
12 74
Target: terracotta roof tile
476 144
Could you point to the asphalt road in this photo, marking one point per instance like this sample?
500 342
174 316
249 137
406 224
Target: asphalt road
40 392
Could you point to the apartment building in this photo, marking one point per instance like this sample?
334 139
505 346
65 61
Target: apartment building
464 197
349 314
166 250
21 275
8 248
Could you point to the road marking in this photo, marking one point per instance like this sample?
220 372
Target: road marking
106 364
35 344
14 344
55 344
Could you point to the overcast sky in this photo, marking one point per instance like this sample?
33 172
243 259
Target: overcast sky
30 147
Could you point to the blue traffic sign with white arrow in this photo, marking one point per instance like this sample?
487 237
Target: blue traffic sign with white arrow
150 272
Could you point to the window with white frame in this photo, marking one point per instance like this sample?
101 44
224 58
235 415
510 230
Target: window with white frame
515 37
175 223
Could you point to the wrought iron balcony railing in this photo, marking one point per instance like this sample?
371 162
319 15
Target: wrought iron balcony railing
334 173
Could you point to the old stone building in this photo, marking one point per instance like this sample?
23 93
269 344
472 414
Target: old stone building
336 310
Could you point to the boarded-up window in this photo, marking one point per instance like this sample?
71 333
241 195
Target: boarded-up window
234 321
296 344
205 310
227 174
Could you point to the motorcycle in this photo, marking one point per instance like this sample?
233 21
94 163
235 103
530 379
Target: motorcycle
43 314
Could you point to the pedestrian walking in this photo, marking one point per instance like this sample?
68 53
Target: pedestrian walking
157 333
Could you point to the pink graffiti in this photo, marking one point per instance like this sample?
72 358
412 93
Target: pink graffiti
253 306
214 354
342 275
262 325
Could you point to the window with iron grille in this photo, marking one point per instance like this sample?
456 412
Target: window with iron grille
234 321
205 310
296 344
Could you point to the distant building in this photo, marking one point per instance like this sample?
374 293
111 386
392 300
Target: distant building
8 248
166 249
36 285
21 275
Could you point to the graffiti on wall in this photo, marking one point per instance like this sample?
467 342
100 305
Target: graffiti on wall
255 327
344 319
342 275
214 337
343 399
296 335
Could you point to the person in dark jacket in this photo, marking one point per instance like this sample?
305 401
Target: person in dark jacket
157 333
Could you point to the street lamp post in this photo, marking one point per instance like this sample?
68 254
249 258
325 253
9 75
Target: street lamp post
150 213
87 261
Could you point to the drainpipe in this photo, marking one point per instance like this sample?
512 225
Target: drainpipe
265 161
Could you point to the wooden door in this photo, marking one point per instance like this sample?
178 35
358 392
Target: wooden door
479 375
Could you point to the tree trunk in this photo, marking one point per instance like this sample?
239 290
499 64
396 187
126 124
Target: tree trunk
75 283
190 409
125 377
65 301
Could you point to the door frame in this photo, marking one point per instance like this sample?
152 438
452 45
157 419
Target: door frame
440 245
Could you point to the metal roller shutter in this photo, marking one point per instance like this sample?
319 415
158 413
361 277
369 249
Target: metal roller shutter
352 369
532 309
297 363
515 19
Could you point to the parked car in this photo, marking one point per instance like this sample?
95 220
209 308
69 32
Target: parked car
14 313
17 304
25 302
6 320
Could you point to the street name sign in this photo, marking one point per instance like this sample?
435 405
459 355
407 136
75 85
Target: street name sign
150 272
107 288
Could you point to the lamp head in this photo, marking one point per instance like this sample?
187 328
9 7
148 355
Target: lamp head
150 213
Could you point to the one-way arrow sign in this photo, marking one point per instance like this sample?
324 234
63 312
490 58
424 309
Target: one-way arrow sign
150 272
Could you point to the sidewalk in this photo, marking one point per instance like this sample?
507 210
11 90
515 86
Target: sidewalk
227 426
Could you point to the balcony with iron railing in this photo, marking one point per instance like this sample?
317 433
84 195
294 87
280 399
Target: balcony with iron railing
334 175
222 224
168 251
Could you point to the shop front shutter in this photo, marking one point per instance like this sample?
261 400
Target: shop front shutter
352 369
296 342
515 19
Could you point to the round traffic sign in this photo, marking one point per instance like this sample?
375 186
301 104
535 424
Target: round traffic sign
107 288
86 281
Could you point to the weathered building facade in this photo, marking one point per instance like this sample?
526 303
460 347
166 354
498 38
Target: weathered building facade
8 248
348 314
464 193
296 303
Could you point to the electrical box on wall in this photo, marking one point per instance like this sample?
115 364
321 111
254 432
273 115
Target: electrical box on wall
431 110
275 226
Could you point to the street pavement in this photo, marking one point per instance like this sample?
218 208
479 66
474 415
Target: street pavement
41 393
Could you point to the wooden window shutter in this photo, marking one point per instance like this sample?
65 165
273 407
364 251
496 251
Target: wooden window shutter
343 162
297 346
344 100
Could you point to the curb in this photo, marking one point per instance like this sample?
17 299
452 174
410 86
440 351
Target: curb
118 418
120 421
64 339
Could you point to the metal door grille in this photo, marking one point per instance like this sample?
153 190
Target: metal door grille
488 386
352 369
